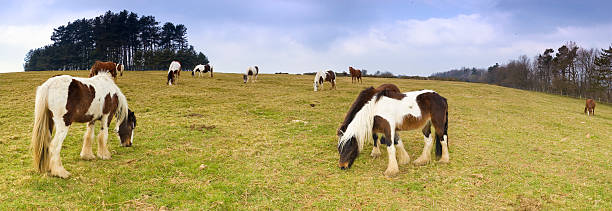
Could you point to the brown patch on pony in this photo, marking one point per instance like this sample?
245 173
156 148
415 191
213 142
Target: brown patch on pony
381 125
410 122
364 97
79 99
590 107
110 106
100 66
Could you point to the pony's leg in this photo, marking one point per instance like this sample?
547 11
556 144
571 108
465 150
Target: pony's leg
55 164
402 155
103 152
86 152
392 168
445 156
376 149
426 155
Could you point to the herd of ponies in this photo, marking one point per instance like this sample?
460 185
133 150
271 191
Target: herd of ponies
384 110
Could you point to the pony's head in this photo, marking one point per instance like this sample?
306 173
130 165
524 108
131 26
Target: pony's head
348 150
244 78
170 78
126 129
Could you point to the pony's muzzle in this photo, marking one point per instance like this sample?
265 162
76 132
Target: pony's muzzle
344 165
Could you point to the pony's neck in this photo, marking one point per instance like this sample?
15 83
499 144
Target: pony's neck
360 126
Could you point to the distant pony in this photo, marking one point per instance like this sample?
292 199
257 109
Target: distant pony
63 100
322 76
202 69
388 111
355 75
252 71
589 108
110 67
174 71
120 68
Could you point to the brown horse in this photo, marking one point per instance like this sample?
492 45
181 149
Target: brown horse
589 108
110 67
355 74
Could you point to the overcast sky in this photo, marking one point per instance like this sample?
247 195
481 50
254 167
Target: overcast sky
417 37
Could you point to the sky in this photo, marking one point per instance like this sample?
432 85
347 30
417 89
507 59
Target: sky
417 37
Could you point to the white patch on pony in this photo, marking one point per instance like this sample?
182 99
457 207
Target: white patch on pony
394 110
174 66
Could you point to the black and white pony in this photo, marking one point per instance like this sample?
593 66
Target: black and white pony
323 76
63 100
385 111
174 71
252 71
201 69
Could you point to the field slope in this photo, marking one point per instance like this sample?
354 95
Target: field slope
265 147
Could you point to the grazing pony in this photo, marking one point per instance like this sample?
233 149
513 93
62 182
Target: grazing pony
322 76
388 111
252 71
174 71
110 67
589 108
355 75
202 69
63 100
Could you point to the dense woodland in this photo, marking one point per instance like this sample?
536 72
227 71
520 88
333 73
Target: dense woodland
139 43
570 70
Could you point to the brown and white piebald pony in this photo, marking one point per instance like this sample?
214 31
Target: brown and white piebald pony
63 100
355 75
174 71
387 111
323 76
201 69
589 108
110 67
252 71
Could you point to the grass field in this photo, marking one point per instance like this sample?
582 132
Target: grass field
509 149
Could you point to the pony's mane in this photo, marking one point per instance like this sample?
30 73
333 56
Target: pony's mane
363 97
320 73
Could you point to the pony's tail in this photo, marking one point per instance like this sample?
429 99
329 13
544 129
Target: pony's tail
211 71
439 139
41 133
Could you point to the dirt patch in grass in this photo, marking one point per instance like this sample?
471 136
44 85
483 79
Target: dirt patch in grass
527 203
201 127
194 115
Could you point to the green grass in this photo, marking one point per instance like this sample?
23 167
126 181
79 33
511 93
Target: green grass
509 149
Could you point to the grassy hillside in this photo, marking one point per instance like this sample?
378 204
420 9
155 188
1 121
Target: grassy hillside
509 149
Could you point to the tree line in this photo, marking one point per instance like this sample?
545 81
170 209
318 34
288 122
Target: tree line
139 43
569 70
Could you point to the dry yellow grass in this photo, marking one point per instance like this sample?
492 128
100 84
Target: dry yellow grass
510 149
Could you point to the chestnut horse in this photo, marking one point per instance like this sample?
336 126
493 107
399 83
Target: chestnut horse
387 111
63 100
355 74
589 108
110 67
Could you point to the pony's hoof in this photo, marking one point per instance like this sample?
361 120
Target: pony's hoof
403 160
104 156
391 172
60 172
87 156
443 161
420 162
